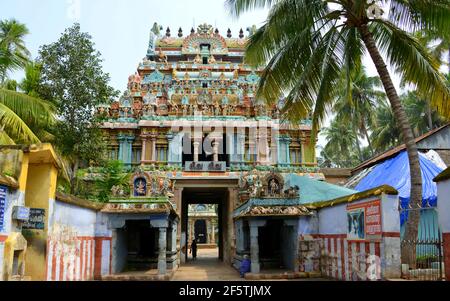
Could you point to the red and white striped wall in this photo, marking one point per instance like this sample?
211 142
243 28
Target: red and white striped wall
347 259
75 259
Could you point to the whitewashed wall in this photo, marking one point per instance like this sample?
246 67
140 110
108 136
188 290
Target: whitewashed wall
352 259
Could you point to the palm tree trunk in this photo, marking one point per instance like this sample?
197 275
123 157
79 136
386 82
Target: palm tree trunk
358 144
412 224
429 115
366 133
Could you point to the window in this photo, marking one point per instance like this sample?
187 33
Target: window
136 155
113 154
205 60
205 85
296 156
161 154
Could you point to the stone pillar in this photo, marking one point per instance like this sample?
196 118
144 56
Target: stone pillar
293 223
288 141
175 150
144 149
216 150
153 145
232 200
239 228
162 264
213 233
125 148
263 148
254 244
196 150
162 244
302 149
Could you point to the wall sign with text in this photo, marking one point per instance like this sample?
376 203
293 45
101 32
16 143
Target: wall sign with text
364 220
36 220
3 192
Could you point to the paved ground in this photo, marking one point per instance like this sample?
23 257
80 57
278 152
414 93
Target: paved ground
206 267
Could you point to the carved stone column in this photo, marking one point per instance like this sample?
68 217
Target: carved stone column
215 150
196 150
162 226
162 243
153 137
144 148
254 244
232 200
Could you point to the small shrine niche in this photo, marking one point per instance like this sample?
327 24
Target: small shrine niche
274 184
140 187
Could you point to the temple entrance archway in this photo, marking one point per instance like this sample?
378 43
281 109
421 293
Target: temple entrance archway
208 231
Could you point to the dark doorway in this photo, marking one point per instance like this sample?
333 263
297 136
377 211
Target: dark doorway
142 245
205 195
200 231
269 240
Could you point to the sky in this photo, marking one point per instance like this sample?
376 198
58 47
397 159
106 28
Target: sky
120 28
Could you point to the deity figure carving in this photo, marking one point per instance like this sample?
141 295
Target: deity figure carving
292 192
225 110
216 109
274 188
137 109
185 109
198 59
140 187
162 57
211 60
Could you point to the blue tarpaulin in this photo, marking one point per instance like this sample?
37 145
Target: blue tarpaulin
395 172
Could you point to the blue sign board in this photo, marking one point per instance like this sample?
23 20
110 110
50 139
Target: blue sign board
3 192
21 213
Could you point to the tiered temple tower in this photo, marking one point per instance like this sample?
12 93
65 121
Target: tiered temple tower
192 102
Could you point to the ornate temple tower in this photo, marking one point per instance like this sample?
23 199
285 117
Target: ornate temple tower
192 102
190 118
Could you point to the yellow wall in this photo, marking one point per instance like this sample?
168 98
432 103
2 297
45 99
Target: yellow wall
40 190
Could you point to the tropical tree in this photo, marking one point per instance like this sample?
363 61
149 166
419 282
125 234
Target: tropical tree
23 118
73 79
421 117
386 133
356 105
30 84
112 175
13 52
341 143
306 46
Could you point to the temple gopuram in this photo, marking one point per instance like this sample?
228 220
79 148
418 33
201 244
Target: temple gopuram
190 130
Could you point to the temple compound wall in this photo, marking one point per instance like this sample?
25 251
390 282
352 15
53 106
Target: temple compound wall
353 238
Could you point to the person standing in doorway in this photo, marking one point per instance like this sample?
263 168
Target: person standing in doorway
194 249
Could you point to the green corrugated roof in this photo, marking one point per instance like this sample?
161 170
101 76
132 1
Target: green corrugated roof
312 190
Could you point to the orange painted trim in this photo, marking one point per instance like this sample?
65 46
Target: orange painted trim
98 256
390 234
3 238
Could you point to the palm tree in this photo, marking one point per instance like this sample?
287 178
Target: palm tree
421 117
341 142
23 118
308 45
30 84
385 133
13 53
356 105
